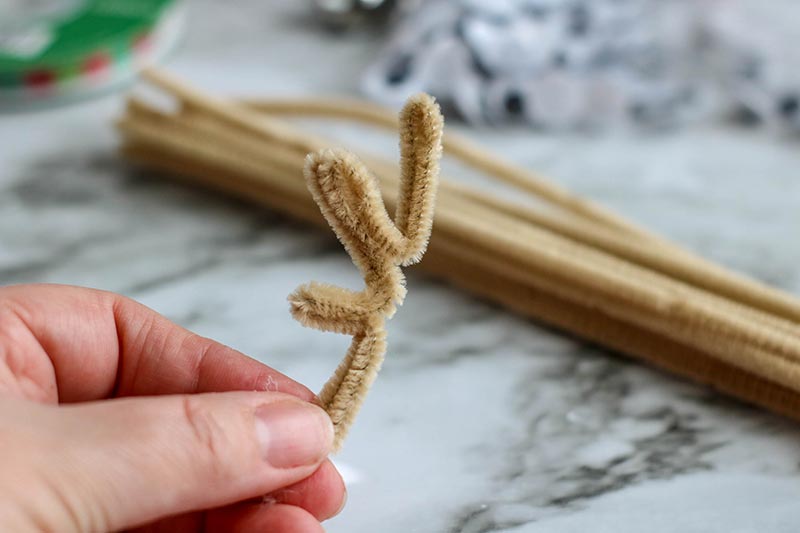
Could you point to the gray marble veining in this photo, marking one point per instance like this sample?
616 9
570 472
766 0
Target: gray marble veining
480 421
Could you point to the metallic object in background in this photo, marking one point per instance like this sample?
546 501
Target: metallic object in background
341 15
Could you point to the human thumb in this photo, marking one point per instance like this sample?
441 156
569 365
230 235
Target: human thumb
120 463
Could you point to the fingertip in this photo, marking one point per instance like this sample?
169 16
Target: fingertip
323 494
272 517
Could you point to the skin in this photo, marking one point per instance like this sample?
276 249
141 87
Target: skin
114 418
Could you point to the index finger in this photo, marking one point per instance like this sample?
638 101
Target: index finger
84 344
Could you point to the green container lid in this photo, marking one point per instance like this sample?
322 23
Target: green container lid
52 51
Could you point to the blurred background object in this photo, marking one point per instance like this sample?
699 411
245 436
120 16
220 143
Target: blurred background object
549 64
756 52
55 51
588 64
346 14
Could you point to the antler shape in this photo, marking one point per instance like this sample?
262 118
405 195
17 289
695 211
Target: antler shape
348 197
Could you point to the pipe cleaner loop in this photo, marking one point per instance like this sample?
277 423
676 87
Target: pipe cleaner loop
349 198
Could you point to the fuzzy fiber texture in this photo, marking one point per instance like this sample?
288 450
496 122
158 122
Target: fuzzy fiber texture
349 198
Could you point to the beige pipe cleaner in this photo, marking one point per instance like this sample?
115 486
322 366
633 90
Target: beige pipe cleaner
348 197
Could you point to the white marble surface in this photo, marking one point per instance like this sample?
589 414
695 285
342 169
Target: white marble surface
479 421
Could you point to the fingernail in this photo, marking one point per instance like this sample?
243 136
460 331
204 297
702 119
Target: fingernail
293 433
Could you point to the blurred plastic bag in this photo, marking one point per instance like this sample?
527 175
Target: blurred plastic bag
585 64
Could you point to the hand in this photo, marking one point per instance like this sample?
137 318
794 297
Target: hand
112 417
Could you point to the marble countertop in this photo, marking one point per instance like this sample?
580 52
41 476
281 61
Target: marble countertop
480 421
